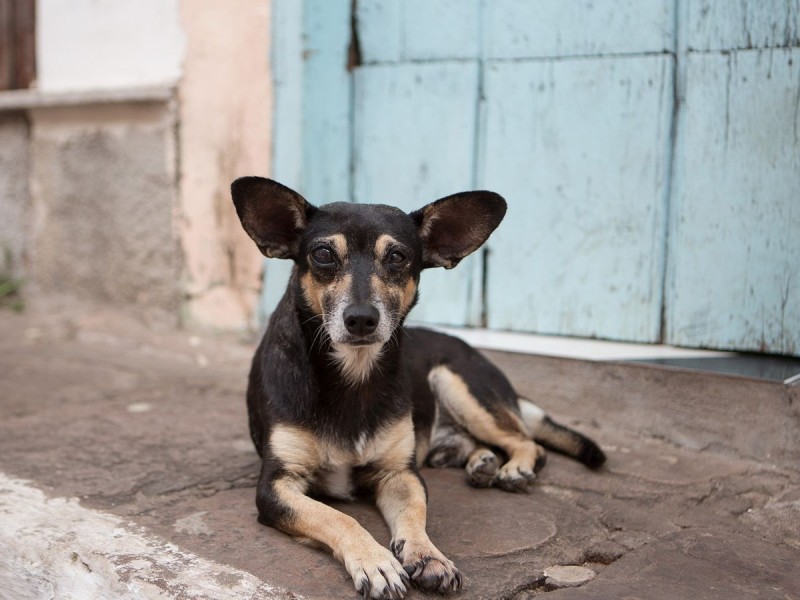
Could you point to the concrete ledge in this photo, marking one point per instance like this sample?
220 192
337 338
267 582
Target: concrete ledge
28 99
55 548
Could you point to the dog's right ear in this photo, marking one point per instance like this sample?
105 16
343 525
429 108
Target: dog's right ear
271 214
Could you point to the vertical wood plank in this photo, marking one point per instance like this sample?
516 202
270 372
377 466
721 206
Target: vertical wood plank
287 127
734 277
745 24
380 30
312 111
579 149
326 101
409 30
559 28
441 29
414 137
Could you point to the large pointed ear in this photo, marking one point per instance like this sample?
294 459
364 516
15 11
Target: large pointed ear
455 226
271 214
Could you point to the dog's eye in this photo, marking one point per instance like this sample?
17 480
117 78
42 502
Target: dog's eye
322 256
396 258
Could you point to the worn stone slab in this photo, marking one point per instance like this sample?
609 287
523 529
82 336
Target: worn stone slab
697 564
146 430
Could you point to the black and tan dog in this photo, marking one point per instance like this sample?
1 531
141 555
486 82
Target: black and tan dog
344 400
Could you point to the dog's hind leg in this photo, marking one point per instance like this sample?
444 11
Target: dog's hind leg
559 437
451 446
502 429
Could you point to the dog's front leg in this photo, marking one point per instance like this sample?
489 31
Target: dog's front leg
283 504
400 496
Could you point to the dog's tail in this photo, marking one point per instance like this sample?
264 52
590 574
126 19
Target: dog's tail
560 438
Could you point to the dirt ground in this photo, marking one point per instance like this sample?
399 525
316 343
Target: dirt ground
126 471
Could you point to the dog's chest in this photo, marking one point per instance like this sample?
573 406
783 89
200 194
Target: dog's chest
328 465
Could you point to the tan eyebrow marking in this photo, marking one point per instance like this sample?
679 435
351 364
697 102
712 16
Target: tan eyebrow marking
382 243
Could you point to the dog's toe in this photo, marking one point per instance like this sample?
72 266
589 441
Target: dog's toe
378 575
428 569
433 575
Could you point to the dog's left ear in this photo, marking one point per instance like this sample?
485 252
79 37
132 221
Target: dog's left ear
456 226
271 214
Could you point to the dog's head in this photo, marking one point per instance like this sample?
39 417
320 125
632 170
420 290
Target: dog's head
359 264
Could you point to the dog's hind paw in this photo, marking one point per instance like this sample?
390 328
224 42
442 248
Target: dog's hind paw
514 478
429 569
482 468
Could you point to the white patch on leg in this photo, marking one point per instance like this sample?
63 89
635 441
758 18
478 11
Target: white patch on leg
532 416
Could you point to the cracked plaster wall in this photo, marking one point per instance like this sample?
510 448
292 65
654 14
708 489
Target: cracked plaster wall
109 196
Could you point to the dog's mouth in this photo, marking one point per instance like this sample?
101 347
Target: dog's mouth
360 343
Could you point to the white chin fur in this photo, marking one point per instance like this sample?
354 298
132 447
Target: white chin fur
356 362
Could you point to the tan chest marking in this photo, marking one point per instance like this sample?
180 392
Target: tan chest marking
306 455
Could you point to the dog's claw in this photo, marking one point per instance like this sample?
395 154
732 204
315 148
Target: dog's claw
397 547
366 588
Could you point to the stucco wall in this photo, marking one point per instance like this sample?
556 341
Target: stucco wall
91 44
225 132
103 202
115 171
14 165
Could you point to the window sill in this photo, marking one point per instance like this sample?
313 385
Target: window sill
28 99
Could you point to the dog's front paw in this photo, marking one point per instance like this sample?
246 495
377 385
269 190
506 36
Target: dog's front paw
377 574
429 569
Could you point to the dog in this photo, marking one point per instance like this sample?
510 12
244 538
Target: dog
344 400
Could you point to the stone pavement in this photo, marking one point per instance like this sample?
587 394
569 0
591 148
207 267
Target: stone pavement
126 471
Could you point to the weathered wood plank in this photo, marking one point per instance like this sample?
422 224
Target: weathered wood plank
414 138
558 28
403 30
380 30
579 148
715 25
326 101
287 127
734 274
312 107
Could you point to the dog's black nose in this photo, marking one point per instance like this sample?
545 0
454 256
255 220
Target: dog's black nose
361 319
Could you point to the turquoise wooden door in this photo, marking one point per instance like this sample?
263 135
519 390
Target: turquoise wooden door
622 202
734 248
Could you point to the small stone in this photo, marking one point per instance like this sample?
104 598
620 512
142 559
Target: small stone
561 576
140 407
